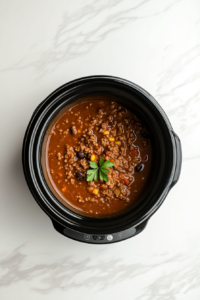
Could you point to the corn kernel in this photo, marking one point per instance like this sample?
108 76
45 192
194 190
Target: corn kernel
111 139
64 189
79 131
117 192
117 143
93 157
95 191
106 132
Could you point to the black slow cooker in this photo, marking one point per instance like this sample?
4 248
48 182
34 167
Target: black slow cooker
165 172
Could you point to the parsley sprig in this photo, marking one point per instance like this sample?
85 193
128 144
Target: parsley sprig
102 169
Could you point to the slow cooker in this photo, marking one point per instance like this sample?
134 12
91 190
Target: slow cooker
165 172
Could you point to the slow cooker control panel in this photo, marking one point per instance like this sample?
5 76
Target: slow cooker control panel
100 238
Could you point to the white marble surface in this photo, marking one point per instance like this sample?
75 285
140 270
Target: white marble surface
45 43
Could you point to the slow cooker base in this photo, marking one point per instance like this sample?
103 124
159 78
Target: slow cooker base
99 238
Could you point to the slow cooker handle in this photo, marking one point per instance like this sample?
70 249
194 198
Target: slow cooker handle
178 159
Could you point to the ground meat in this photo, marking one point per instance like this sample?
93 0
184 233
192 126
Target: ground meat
93 121
72 180
104 142
104 127
80 199
92 140
91 183
99 130
114 149
59 156
120 129
98 150
101 111
84 164
90 189
123 151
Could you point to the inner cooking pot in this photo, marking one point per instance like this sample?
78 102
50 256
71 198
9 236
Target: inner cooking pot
165 167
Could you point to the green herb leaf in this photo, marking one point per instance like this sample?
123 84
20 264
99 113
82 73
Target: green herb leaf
90 177
104 170
103 176
91 171
92 174
108 164
101 162
93 165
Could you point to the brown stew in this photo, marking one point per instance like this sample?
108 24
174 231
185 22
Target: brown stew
88 131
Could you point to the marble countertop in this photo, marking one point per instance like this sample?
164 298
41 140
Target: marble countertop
44 44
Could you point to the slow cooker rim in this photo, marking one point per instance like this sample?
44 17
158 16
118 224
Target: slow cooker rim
132 85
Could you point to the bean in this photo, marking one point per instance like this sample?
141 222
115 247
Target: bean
79 176
81 154
88 156
71 130
139 168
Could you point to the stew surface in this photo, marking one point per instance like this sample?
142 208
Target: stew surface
87 132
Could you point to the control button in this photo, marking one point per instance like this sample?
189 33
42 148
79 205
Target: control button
109 237
87 237
98 237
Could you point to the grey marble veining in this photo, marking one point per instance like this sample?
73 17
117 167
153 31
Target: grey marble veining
88 25
181 274
179 88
